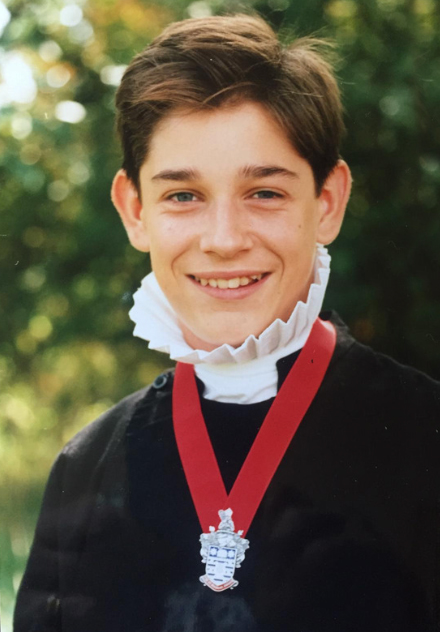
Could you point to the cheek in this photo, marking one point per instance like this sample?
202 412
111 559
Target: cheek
171 257
167 242
298 256
291 231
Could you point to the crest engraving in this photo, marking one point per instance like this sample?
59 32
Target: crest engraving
222 552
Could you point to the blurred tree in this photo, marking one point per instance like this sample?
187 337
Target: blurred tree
386 261
66 350
68 274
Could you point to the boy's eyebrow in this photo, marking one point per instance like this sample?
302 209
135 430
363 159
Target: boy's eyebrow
264 171
249 171
179 175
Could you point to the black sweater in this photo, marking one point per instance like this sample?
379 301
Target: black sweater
346 538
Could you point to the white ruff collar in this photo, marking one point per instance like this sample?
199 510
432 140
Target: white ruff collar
245 374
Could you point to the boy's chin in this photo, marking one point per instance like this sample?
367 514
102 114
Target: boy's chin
213 343
208 341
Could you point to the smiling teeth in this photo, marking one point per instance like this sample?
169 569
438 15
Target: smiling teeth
230 283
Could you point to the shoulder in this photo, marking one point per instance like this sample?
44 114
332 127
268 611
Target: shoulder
378 376
389 409
384 372
107 432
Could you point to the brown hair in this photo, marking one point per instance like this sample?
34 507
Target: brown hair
200 64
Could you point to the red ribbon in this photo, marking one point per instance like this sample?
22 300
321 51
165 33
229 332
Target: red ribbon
282 421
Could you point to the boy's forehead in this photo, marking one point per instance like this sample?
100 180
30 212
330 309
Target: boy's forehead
248 111
244 134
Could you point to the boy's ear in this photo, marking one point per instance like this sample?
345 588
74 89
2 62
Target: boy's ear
333 201
126 200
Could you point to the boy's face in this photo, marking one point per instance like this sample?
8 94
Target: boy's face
230 217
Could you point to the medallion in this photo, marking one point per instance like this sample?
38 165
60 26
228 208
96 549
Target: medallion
222 551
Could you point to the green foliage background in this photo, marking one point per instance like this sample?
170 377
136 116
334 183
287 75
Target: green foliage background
68 273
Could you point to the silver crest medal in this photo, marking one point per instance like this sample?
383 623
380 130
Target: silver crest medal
222 551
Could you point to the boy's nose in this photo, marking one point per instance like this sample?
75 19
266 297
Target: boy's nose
226 231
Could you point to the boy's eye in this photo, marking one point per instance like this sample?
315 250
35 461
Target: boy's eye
266 195
182 196
187 196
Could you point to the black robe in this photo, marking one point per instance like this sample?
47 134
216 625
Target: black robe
347 537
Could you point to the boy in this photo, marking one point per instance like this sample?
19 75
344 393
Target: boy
286 478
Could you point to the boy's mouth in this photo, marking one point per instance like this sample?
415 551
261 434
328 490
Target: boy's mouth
226 284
